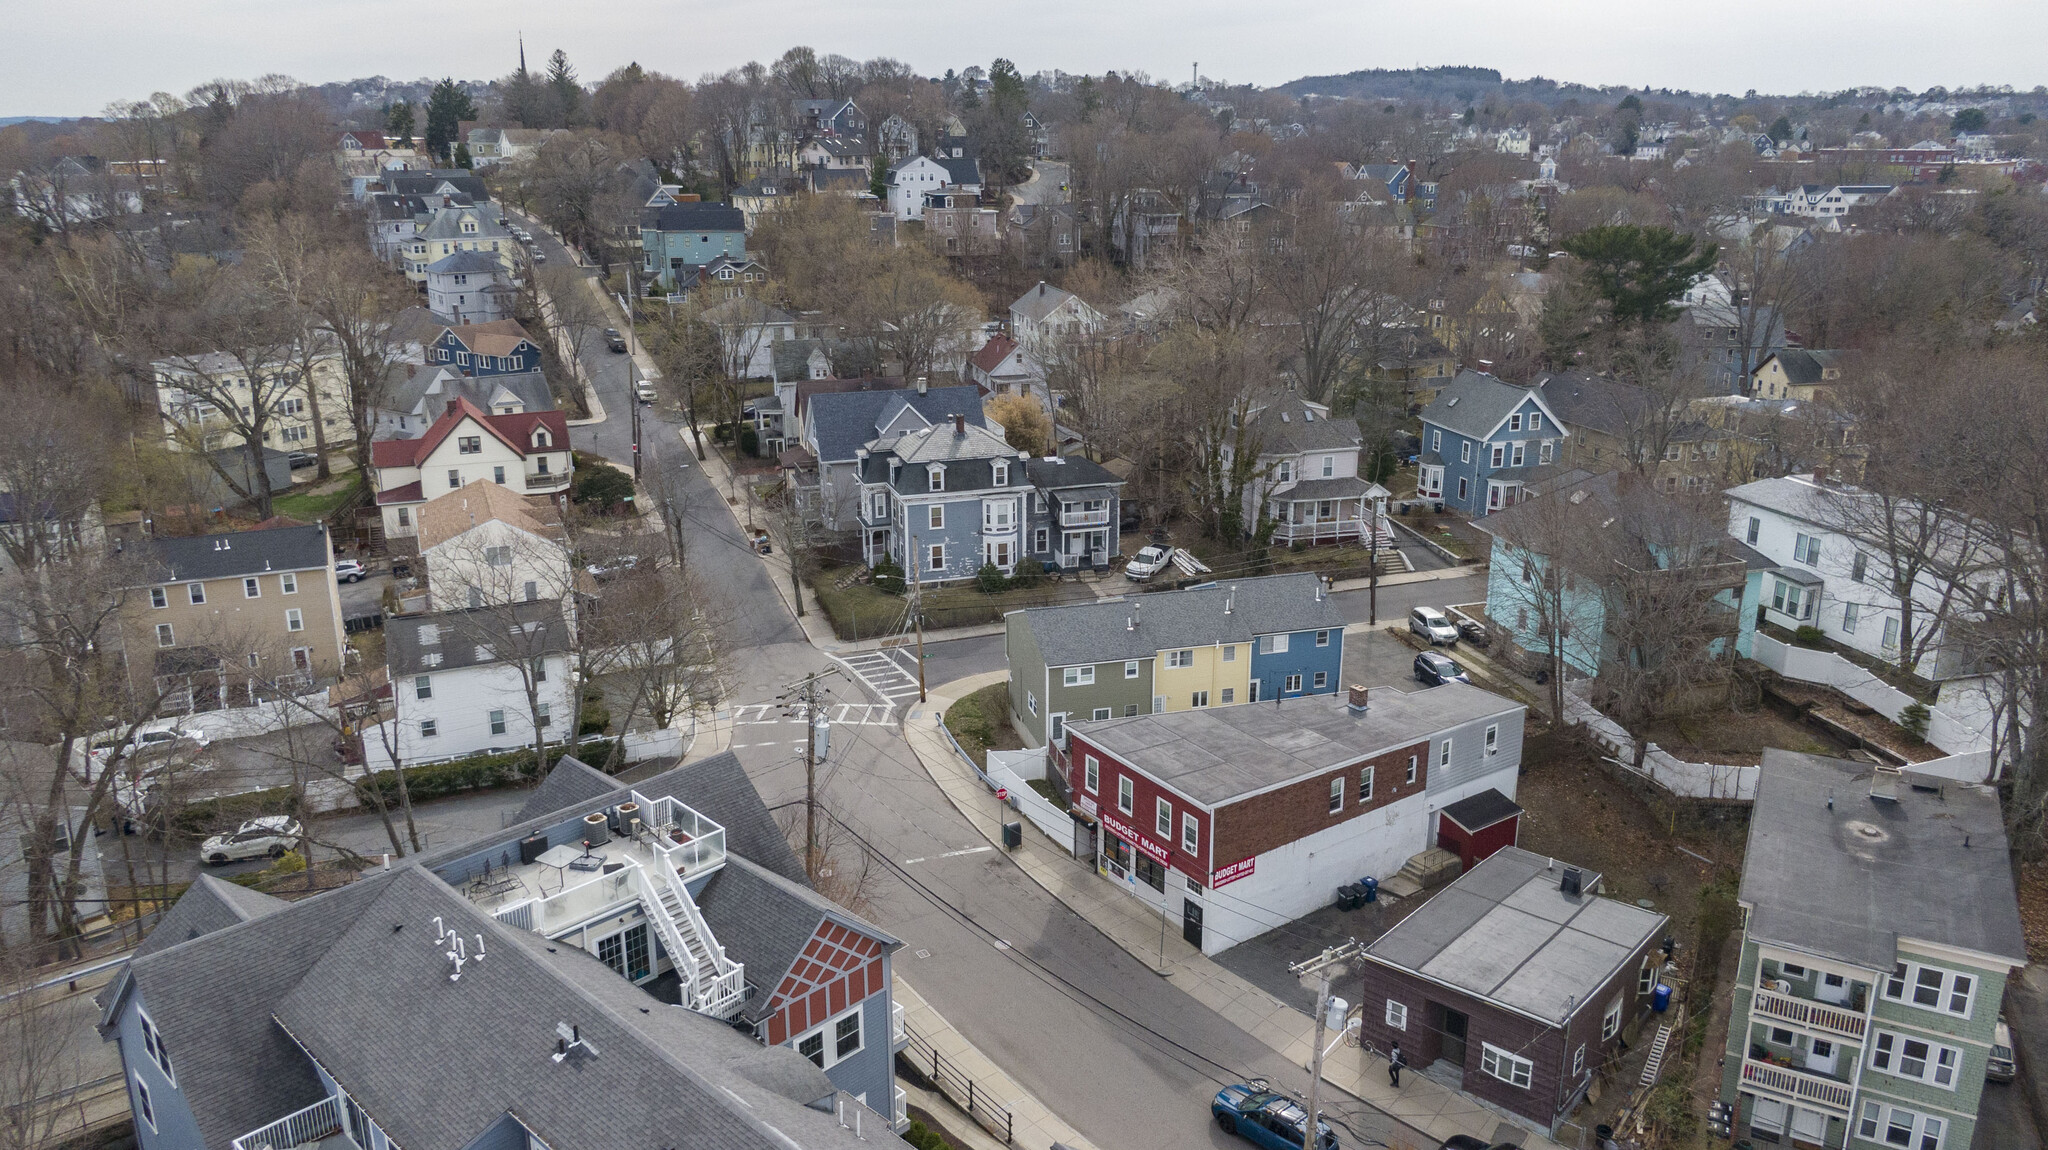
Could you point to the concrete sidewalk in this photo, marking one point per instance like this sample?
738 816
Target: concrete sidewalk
1434 1109
1034 1125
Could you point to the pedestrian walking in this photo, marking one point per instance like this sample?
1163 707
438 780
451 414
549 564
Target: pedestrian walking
1394 1064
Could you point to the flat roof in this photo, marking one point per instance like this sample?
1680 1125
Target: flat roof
1216 754
1477 812
1506 933
1836 871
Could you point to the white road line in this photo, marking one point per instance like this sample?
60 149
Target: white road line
907 862
968 851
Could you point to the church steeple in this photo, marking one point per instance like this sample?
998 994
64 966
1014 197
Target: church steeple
522 53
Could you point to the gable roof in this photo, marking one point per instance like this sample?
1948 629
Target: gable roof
413 388
454 640
1506 933
694 216
1803 367
514 431
764 920
571 782
992 354
844 422
1103 631
1043 300
719 789
234 553
209 904
1599 403
1834 869
465 261
477 502
498 337
1286 424
1475 404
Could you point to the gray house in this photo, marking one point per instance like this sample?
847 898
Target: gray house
835 426
624 968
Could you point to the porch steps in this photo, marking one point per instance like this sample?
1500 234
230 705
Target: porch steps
702 968
1654 1065
1432 867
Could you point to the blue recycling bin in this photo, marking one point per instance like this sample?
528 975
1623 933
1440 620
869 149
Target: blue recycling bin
1371 886
1660 998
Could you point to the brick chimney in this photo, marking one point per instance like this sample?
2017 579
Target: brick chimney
959 424
1357 705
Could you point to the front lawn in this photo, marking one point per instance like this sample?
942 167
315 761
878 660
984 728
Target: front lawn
981 723
312 504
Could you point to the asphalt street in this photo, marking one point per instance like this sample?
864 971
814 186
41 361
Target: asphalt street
1126 1058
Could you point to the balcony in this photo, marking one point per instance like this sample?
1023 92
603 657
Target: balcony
1798 1085
1084 518
899 1037
318 1125
1807 1013
547 481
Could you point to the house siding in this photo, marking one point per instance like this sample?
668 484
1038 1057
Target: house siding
1210 672
176 1128
1303 658
1264 822
1110 690
1479 470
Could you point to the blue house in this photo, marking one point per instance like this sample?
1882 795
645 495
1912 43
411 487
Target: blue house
620 967
1290 663
500 347
1605 522
674 237
946 499
1483 441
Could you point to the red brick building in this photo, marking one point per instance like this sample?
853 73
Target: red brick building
1519 976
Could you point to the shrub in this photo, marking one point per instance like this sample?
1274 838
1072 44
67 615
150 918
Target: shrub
290 862
992 579
888 577
602 487
1808 636
750 441
1914 719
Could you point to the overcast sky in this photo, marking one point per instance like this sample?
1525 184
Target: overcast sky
56 61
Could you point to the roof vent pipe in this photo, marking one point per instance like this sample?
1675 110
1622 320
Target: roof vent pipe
923 385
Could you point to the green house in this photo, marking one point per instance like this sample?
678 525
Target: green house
1881 925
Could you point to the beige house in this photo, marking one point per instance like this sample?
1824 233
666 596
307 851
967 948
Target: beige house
487 547
1799 374
525 452
308 402
233 616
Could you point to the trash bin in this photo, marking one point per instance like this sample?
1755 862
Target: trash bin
1370 887
1660 998
1348 897
1013 835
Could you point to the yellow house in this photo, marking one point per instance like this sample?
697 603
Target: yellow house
1797 373
308 403
1217 675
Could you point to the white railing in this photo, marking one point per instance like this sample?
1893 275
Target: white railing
721 993
580 903
308 1127
1803 1012
518 916
701 846
1798 1084
672 939
897 1035
899 1112
1085 518
546 482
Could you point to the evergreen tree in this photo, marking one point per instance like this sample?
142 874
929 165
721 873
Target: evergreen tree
398 124
523 101
562 83
447 106
1639 270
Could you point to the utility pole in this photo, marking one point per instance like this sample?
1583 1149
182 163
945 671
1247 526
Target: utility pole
632 391
917 612
1372 609
804 696
1323 966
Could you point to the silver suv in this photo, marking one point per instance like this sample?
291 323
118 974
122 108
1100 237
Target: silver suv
1433 625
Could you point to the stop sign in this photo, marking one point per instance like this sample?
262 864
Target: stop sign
1002 794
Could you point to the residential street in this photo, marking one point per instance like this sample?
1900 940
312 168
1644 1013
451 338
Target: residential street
1122 1055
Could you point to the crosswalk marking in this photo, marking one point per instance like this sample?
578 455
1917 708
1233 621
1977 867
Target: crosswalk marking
883 674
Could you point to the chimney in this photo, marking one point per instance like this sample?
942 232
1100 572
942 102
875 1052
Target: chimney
453 405
1357 705
1229 599
1041 287
923 385
1820 477
959 423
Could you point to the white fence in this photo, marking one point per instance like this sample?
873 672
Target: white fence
640 745
1013 770
1687 780
1957 733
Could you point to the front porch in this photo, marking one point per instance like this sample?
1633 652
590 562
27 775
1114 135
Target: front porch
1328 511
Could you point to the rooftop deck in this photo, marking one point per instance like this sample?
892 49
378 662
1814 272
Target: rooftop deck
574 884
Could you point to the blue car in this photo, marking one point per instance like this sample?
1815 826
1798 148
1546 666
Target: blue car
1434 670
1263 1118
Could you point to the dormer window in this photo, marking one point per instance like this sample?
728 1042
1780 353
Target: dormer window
935 478
541 437
1001 473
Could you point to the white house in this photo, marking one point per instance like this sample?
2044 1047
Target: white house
1046 313
909 181
526 452
459 683
1834 578
486 547
1307 479
469 287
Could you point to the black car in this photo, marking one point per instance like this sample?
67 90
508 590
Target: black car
1434 670
1467 1142
613 340
300 459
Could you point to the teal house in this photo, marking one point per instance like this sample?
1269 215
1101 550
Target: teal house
1880 927
680 237
1555 554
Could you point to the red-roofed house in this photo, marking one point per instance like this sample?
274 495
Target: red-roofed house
526 453
1002 368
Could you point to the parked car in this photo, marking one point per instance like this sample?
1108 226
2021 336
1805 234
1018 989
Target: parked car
644 392
609 568
149 743
1472 629
1432 625
350 571
299 459
270 835
1147 563
2000 1066
1264 1118
613 340
1434 670
540 257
